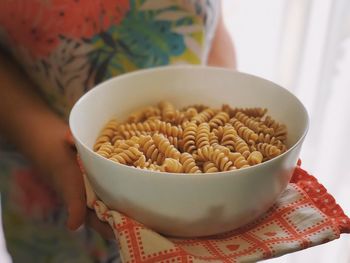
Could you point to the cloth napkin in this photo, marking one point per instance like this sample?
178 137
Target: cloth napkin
305 215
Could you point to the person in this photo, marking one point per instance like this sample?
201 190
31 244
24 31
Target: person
52 52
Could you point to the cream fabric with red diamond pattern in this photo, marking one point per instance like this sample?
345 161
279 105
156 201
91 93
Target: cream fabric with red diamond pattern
305 215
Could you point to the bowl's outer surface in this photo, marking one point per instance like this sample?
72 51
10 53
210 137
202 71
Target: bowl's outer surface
183 204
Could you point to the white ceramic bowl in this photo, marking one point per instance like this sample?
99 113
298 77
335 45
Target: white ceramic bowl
187 205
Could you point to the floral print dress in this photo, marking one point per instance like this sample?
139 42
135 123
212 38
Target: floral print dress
67 47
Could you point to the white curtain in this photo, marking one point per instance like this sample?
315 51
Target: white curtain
304 45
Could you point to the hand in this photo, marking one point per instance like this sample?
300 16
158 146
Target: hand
102 228
28 122
56 159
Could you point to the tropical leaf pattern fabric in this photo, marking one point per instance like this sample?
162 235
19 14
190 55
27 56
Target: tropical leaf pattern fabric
67 47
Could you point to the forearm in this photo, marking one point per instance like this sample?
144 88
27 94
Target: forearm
23 114
222 53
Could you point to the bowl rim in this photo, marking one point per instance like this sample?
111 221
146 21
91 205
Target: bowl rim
144 172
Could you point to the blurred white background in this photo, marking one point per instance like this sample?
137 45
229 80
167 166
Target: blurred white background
304 45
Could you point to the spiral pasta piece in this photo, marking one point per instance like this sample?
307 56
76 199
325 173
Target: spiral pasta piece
166 128
271 123
252 147
178 143
168 111
268 150
266 130
280 133
216 156
256 112
238 160
150 150
241 146
179 118
154 167
121 145
141 162
220 119
250 123
255 157
171 165
191 112
189 137
204 116
151 112
136 116
199 107
106 134
209 167
151 167
130 134
202 135
134 127
144 114
221 160
105 149
267 138
128 156
165 147
280 145
117 137
189 164
213 139
243 131
228 138
223 149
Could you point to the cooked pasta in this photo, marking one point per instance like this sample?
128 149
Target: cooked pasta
195 139
189 137
241 146
227 136
166 128
141 162
128 156
220 119
238 160
268 150
213 139
243 131
251 112
191 112
215 156
106 134
189 164
105 149
168 111
178 143
204 116
171 165
255 157
250 123
209 167
150 150
202 135
122 145
165 147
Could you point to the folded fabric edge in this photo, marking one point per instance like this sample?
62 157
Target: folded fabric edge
323 200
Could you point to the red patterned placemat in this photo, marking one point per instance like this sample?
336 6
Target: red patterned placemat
305 215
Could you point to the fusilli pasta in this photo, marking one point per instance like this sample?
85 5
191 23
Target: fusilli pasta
195 139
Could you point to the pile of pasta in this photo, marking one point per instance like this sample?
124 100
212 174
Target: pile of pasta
195 139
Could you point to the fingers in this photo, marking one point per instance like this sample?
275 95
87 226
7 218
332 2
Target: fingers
102 228
71 185
74 197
